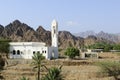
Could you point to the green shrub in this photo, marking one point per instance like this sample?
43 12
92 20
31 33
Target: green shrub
4 46
110 68
54 73
71 52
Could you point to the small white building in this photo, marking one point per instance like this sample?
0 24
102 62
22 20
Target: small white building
95 50
26 50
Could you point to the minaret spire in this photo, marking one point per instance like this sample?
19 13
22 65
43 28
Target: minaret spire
54 33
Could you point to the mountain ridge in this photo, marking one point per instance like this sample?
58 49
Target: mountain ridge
21 32
108 36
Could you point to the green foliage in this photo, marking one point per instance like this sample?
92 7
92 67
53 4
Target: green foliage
105 46
54 73
37 59
110 68
24 78
101 45
59 49
4 46
97 45
72 52
116 47
5 40
37 63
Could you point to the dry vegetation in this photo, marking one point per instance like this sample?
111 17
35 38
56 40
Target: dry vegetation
71 70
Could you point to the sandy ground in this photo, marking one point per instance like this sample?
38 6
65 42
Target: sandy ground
71 70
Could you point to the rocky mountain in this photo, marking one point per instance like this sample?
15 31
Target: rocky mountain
17 31
108 36
93 39
43 35
101 35
85 34
67 39
1 29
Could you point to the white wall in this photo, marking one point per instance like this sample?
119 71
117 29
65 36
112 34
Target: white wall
26 51
52 52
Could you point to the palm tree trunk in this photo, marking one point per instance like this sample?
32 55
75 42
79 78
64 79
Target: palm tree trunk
116 78
38 73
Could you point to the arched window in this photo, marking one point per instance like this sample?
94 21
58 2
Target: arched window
14 52
33 52
18 52
45 51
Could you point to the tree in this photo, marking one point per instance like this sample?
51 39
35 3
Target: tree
54 73
116 47
4 46
111 69
37 62
72 52
2 64
101 45
107 47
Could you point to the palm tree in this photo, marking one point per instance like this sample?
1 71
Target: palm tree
37 62
53 74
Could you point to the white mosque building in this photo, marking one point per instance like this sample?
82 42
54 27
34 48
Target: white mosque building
26 50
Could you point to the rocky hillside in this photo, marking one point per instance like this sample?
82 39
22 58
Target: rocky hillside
93 39
107 36
67 39
85 34
17 31
1 29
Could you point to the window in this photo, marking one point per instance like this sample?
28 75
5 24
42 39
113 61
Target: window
45 51
14 52
54 31
33 52
21 52
18 52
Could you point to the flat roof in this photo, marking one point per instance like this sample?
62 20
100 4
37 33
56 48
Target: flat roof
28 43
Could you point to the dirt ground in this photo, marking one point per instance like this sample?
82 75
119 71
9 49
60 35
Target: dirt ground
71 70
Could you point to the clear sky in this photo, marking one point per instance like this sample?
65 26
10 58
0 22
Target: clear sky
72 15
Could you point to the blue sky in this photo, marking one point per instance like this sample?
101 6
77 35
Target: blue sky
72 15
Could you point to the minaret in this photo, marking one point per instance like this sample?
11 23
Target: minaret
54 33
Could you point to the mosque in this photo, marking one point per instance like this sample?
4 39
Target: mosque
26 50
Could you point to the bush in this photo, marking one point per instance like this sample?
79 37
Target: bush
71 52
101 45
4 46
110 69
54 73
